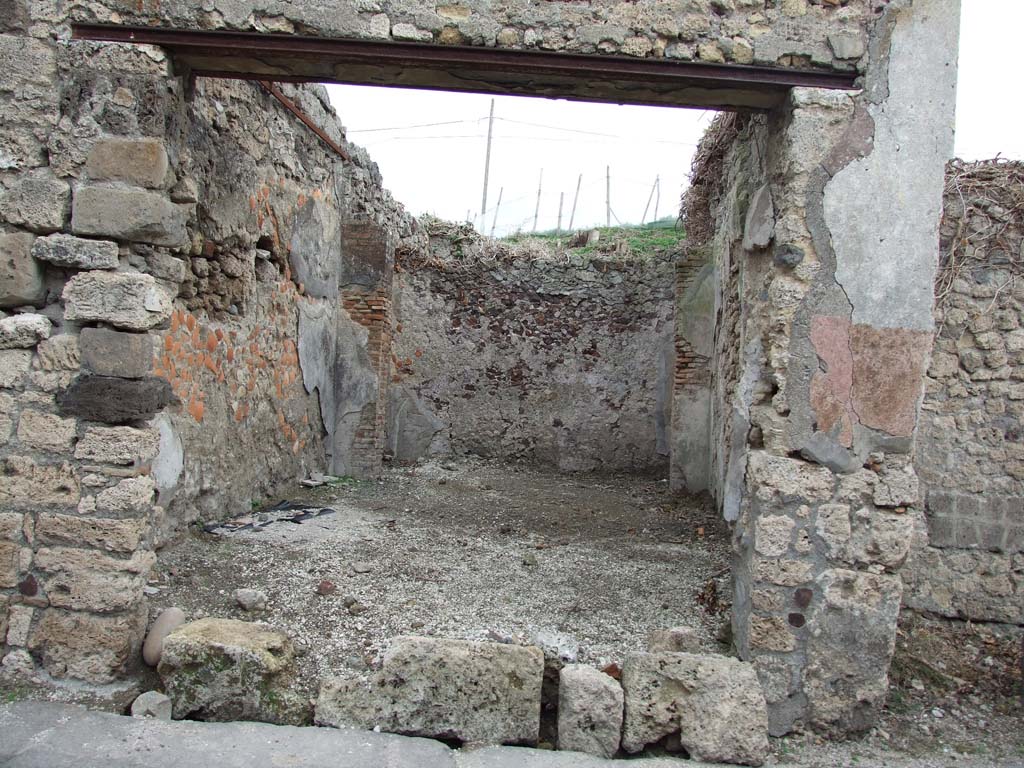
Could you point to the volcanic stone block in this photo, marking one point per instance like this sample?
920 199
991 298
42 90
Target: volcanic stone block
128 300
85 580
714 703
113 353
115 400
23 331
46 432
589 711
95 649
134 215
73 252
224 670
118 445
21 276
142 162
100 532
451 689
39 204
25 483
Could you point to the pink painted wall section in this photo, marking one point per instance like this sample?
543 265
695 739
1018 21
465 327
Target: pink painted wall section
868 376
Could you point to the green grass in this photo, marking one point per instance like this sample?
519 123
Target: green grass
638 239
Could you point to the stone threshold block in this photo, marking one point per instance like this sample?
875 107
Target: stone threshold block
222 670
714 703
473 692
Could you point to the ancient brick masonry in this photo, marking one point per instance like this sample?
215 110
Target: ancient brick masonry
367 299
691 367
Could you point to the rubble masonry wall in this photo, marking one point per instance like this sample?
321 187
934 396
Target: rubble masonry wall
160 246
561 358
968 561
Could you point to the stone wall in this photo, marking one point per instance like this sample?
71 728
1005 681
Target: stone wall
970 454
803 34
170 322
550 356
820 350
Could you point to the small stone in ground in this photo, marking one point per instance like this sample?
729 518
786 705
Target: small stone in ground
251 599
152 704
674 640
326 587
361 567
529 559
357 608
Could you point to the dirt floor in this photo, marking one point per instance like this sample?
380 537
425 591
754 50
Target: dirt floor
594 563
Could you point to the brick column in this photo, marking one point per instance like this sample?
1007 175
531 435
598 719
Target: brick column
368 260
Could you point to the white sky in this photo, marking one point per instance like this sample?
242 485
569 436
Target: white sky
438 167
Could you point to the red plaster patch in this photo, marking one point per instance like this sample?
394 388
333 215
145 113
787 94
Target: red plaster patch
831 389
889 366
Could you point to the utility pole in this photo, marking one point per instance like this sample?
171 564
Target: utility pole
494 221
643 219
561 199
487 167
608 196
657 197
536 211
572 216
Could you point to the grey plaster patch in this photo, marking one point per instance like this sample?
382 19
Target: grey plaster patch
317 344
355 386
170 459
886 256
316 249
736 466
413 430
759 227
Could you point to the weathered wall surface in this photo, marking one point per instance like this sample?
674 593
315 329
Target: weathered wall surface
158 251
819 359
970 452
802 34
546 357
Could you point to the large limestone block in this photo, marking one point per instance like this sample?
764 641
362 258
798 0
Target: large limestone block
128 300
788 480
134 215
23 331
590 707
21 276
96 649
118 445
114 353
224 670
70 252
37 203
449 689
850 645
714 703
136 161
29 484
46 432
86 580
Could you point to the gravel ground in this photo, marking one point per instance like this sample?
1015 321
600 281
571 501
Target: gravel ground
594 563
472 550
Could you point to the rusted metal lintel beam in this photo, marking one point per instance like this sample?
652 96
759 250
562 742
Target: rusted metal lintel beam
236 53
306 119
